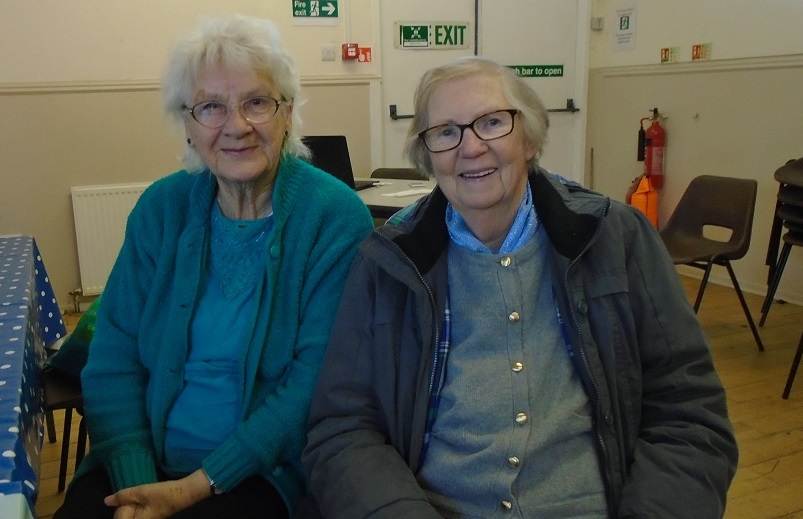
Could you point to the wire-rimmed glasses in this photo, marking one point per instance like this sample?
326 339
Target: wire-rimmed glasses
214 114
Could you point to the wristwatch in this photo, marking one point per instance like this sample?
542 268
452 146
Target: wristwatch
213 490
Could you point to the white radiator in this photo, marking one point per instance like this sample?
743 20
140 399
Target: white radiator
100 214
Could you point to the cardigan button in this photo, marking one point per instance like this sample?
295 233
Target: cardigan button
582 307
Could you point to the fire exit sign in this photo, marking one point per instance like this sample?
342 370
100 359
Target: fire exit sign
432 35
315 8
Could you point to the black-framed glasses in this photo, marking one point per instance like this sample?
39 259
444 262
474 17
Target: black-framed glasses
214 114
487 127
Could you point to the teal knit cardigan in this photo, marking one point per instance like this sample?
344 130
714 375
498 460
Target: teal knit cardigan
136 359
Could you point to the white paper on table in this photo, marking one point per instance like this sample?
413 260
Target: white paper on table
409 192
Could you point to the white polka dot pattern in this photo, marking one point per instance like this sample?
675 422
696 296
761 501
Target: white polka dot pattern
29 319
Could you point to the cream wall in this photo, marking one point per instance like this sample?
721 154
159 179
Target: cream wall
736 28
53 40
738 114
79 91
80 102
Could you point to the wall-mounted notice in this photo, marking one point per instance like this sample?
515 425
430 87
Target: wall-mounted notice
669 54
315 12
700 51
624 37
538 70
432 35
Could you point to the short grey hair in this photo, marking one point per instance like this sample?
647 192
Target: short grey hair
232 41
532 112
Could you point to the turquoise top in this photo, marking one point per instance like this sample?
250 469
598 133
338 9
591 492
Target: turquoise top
137 358
214 371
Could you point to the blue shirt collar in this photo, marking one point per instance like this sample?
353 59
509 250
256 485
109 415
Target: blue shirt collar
524 226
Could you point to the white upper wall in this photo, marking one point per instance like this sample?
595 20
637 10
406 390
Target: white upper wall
735 28
102 40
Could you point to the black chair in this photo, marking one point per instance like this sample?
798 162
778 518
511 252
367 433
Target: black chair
713 201
788 215
399 173
64 393
793 369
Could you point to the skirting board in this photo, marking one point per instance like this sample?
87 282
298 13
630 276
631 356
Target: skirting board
719 276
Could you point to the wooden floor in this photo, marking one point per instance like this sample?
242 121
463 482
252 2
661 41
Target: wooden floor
769 481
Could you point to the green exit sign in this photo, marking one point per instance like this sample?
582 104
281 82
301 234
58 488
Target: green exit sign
538 70
414 35
315 8
432 35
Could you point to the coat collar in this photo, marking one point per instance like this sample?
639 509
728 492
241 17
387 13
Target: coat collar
569 212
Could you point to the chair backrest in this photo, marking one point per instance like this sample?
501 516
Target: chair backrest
719 201
400 173
331 154
791 173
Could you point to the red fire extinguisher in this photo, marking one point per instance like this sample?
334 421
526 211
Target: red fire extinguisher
652 144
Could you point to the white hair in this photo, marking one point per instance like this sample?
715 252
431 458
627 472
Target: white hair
517 92
232 41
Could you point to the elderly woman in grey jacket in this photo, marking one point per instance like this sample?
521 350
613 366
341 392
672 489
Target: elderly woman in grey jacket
513 344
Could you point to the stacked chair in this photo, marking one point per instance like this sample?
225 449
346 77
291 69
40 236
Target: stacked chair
793 369
789 218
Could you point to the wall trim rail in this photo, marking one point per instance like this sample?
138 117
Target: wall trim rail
142 85
716 65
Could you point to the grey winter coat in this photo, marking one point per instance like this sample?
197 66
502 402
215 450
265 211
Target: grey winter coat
660 421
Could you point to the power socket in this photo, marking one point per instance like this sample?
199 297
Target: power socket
328 52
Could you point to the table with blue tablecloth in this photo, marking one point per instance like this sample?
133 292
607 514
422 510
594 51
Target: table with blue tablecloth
29 319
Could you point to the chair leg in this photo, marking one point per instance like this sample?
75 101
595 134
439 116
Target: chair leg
81 448
703 284
793 369
65 449
51 426
753 328
776 280
775 240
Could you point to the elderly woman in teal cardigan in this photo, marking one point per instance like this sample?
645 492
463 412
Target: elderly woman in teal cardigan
216 315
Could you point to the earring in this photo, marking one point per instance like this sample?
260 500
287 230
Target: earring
189 141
